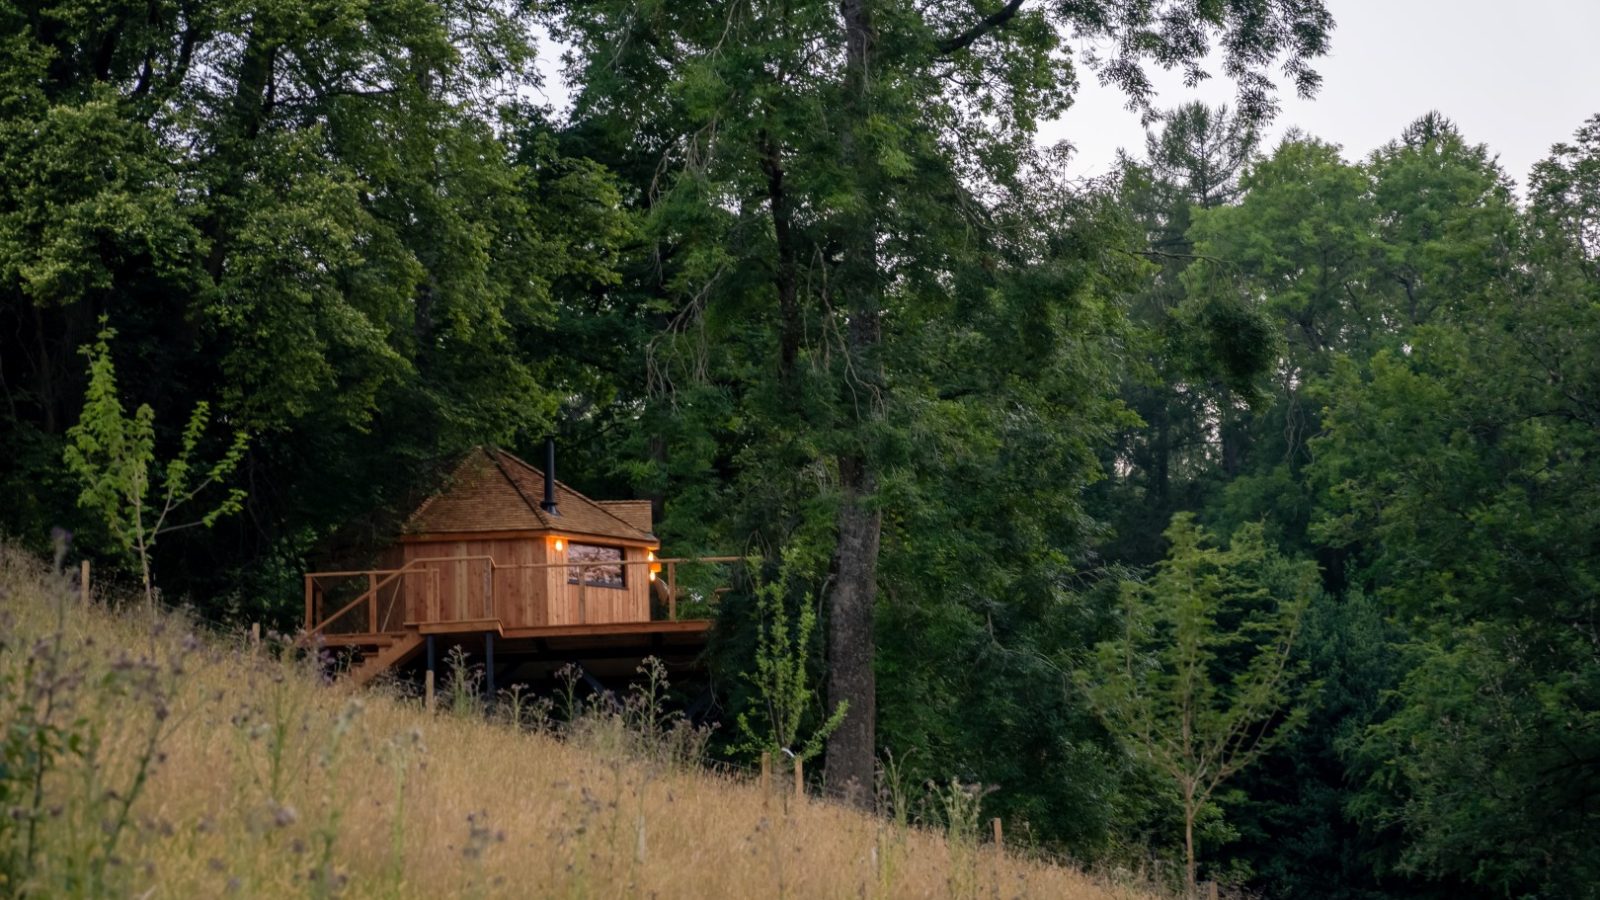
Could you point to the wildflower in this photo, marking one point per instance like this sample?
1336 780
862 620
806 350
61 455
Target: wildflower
284 816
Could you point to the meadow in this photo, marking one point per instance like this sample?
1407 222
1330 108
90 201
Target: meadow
145 757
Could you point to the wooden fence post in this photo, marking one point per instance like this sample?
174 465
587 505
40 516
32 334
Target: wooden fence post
1211 890
766 776
428 689
83 582
999 835
255 635
799 778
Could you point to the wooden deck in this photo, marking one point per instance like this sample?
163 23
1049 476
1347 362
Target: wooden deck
388 627
598 629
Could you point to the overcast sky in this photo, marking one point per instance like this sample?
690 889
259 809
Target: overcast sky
1516 76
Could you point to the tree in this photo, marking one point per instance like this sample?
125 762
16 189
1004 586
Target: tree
1196 362
1349 260
1565 199
113 455
341 225
782 679
1198 685
1457 473
829 177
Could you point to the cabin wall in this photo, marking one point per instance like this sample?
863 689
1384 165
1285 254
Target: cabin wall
511 590
596 605
472 588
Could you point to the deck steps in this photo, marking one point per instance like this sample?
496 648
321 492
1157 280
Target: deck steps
373 664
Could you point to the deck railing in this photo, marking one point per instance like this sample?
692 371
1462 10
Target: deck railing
379 605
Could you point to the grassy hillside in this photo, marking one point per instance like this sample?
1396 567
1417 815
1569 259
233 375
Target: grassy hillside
140 760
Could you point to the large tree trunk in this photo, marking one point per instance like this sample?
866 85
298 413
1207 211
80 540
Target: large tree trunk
248 110
852 750
786 276
851 644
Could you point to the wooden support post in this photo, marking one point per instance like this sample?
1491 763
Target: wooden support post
372 603
1211 890
428 678
999 835
83 582
310 613
488 664
799 778
427 681
255 635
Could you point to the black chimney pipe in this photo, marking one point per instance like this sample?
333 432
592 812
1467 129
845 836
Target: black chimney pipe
549 503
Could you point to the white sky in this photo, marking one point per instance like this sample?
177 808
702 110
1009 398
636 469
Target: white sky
1517 76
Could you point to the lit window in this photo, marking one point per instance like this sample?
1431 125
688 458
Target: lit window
606 571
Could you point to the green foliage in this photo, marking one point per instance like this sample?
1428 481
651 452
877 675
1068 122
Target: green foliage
1564 197
1200 684
1455 474
869 270
1297 830
784 696
341 227
113 454
799 306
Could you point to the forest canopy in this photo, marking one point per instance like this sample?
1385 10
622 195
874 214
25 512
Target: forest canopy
804 276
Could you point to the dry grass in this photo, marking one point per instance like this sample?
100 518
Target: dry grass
265 783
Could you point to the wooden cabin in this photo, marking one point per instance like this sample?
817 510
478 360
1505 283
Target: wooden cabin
506 558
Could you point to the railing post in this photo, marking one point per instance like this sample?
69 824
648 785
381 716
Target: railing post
372 603
672 591
488 589
583 598
310 614
437 585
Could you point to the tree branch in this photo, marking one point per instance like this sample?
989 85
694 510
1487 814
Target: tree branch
987 24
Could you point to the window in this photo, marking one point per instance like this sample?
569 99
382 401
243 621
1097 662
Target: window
601 574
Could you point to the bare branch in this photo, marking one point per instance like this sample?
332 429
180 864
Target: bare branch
987 24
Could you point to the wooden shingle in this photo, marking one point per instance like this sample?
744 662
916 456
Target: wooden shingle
491 490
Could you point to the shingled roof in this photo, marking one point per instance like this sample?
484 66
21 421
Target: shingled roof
491 490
